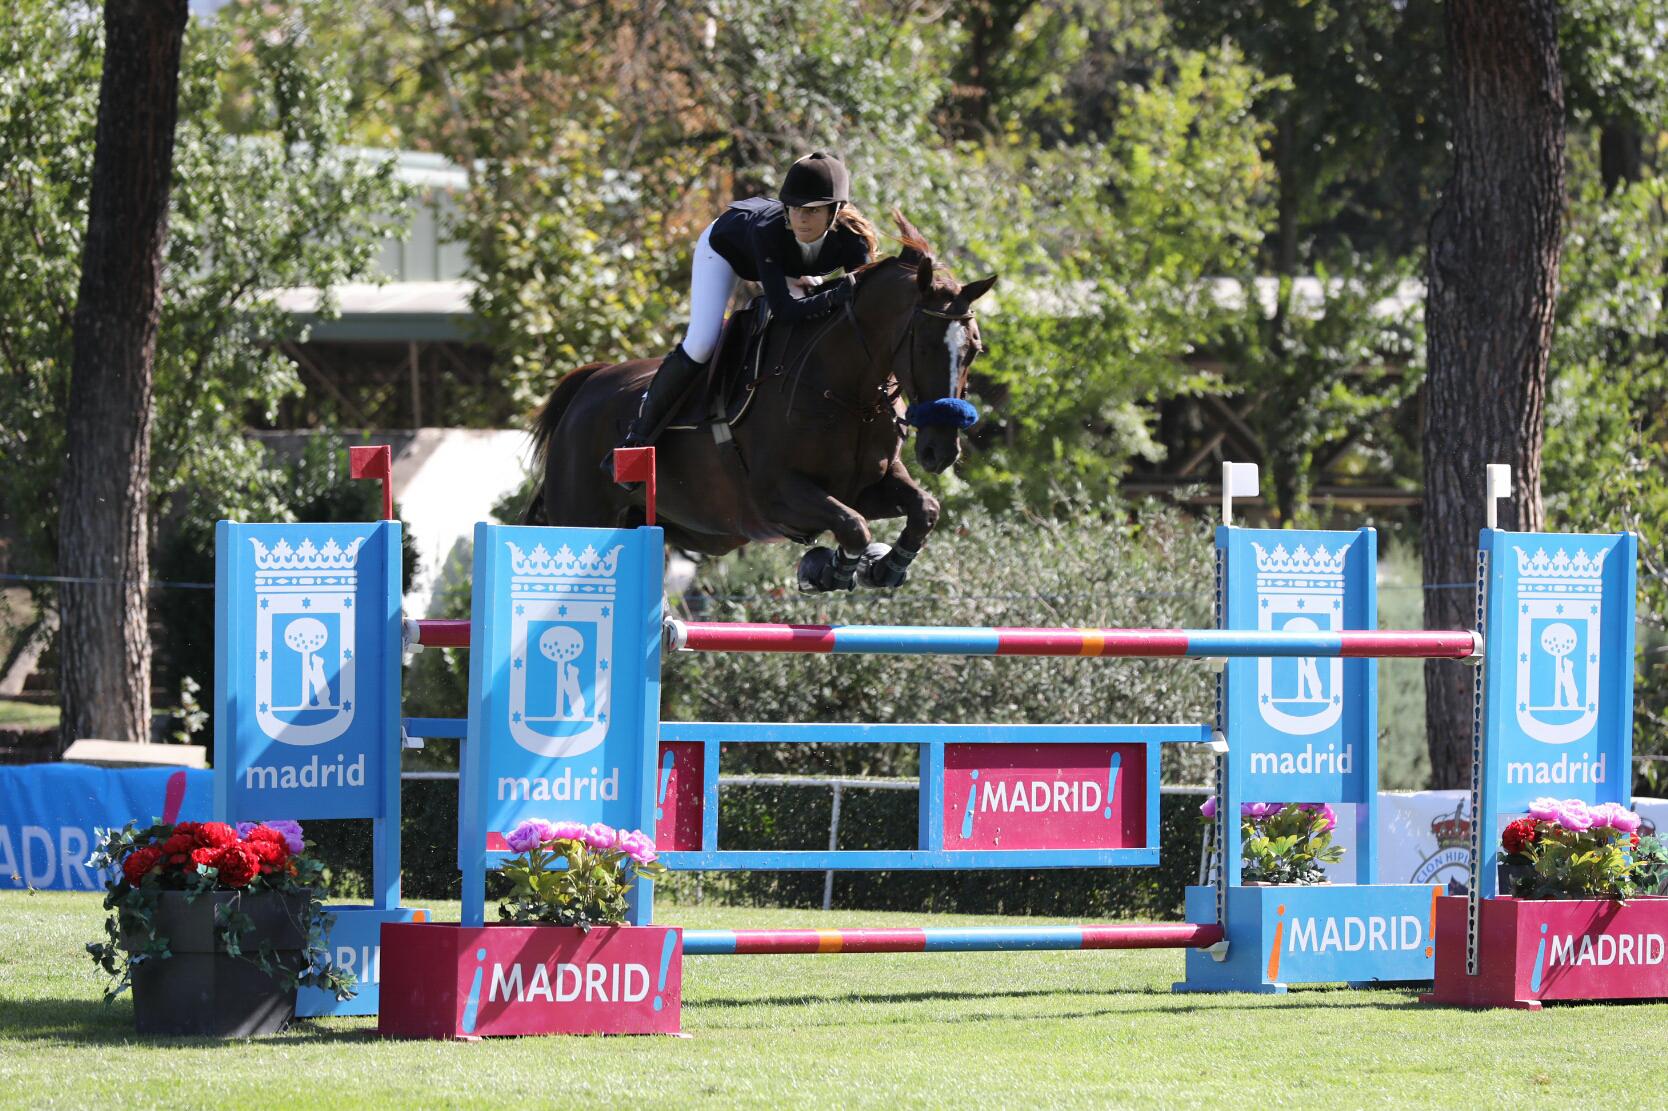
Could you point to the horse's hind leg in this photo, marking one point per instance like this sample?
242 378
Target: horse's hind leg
897 495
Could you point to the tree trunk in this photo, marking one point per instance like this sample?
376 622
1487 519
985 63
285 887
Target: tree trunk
1492 285
103 526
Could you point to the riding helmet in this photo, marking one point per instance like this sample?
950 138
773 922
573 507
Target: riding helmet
817 178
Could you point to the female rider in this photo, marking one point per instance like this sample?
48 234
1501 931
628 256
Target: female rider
787 245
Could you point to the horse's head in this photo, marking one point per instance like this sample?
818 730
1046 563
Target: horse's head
937 343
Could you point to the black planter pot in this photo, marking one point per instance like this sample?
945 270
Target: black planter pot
202 990
1509 874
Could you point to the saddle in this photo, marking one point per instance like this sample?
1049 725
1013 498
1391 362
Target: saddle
721 397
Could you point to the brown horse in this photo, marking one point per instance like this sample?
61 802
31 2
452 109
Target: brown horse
820 449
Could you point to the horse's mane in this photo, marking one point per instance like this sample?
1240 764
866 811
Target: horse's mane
914 247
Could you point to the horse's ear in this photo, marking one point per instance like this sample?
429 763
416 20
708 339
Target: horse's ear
972 291
923 275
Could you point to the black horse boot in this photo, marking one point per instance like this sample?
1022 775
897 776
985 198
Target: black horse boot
677 371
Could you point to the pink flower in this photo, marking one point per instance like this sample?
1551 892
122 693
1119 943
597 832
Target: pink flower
638 846
1209 807
569 831
1544 809
601 837
1613 815
529 835
1259 810
1574 816
1329 818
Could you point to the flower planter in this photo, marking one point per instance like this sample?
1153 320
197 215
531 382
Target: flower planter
201 989
1508 875
441 980
1535 950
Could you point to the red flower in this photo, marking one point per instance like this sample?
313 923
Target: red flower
1518 836
237 865
204 855
273 855
1634 839
187 828
216 835
178 849
140 863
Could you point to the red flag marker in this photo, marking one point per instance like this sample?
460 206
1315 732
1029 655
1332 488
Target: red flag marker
375 462
636 464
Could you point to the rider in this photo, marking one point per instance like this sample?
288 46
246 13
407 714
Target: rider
810 230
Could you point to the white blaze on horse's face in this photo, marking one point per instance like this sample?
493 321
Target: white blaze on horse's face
955 338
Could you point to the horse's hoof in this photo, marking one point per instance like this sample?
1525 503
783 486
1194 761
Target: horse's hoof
821 570
878 571
814 566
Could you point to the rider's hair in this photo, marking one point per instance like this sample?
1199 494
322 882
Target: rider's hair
853 220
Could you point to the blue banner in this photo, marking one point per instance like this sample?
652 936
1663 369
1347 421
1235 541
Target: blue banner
1303 728
1559 707
307 669
564 685
48 813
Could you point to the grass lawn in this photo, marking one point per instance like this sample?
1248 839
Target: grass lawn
978 1030
27 715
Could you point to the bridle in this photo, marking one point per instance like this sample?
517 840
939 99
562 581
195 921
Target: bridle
889 396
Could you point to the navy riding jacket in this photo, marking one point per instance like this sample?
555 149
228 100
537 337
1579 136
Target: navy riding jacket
754 238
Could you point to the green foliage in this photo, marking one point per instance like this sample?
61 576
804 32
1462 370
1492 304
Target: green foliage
1650 866
1288 845
1592 864
1544 859
563 881
1108 251
1606 455
1358 116
1323 373
286 207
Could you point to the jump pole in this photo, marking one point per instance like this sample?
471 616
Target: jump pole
932 640
971 939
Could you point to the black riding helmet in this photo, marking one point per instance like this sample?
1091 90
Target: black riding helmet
817 178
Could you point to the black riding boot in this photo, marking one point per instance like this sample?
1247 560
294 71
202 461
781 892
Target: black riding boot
677 371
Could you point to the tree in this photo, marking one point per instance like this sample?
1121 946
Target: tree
104 526
280 207
1492 281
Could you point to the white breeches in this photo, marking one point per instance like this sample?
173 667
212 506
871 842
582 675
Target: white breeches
711 282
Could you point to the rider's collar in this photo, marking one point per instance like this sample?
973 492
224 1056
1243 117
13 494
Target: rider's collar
809 251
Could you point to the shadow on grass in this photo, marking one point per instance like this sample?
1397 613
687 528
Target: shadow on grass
1179 1004
94 1021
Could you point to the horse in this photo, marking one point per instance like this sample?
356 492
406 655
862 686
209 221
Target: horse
820 448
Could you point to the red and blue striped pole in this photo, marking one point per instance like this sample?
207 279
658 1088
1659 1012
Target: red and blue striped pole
932 640
970 939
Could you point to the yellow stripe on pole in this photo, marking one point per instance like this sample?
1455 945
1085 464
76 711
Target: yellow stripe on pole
1094 642
829 941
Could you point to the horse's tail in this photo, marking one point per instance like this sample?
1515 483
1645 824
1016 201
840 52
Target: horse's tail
543 430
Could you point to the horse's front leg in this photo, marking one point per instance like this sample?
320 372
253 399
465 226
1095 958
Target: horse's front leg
895 495
802 508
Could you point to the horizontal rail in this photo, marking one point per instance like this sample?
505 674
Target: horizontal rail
434 632
714 636
902 860
971 939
